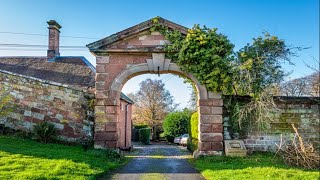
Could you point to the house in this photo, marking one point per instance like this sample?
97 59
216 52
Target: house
58 89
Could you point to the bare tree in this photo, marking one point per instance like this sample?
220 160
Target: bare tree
152 103
304 86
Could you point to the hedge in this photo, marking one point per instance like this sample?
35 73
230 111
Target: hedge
193 132
135 131
144 135
176 124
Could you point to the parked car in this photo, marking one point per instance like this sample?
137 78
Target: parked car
184 139
177 140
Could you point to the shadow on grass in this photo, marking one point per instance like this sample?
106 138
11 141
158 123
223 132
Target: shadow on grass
99 161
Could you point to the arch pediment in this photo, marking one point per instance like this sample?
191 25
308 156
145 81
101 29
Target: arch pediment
136 39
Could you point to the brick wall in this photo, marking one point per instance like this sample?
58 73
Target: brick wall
35 100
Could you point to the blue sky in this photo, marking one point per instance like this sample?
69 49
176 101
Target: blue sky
295 21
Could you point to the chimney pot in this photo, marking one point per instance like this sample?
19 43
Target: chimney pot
54 38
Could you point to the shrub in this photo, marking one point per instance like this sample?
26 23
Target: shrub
299 152
45 131
135 131
139 126
193 132
175 124
112 155
144 135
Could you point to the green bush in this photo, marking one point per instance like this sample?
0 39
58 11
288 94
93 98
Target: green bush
139 126
176 124
135 131
45 131
193 132
144 135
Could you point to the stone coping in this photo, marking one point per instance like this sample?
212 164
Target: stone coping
46 81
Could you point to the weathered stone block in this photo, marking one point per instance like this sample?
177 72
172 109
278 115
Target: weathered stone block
38 116
100 109
99 127
217 146
102 59
100 68
101 94
111 144
209 119
105 136
207 128
100 102
205 110
111 109
111 127
211 102
102 76
217 128
211 137
100 85
99 144
27 113
205 146
217 110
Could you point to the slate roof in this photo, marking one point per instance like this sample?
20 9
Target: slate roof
126 98
75 71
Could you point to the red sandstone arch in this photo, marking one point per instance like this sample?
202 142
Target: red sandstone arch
136 51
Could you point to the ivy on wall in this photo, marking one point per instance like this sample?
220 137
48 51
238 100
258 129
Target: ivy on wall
254 70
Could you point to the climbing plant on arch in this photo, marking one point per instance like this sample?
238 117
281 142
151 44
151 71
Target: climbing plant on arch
254 70
161 46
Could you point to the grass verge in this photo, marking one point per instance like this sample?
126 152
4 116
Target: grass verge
256 166
27 159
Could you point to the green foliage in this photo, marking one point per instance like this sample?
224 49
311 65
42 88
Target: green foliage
27 159
256 166
257 66
206 54
112 155
193 132
253 70
152 103
45 131
176 123
140 126
144 135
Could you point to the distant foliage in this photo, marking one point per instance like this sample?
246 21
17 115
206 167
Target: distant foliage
144 135
193 132
45 131
152 103
176 124
135 131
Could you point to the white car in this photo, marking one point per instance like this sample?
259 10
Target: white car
177 140
184 139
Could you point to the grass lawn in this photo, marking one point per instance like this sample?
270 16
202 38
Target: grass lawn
256 166
27 159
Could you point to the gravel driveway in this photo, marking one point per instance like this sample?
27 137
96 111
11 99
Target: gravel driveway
158 161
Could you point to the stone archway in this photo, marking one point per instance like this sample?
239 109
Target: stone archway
136 51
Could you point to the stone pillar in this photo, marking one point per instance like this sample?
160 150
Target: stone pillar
106 109
210 127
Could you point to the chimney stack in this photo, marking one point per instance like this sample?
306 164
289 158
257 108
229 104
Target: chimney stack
54 38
